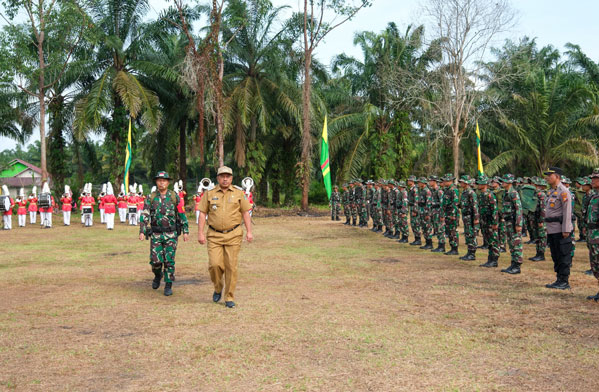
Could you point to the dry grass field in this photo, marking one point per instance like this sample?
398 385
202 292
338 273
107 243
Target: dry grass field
321 307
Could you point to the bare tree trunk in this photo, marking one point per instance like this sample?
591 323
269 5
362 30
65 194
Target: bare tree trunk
219 109
183 151
456 154
42 99
306 137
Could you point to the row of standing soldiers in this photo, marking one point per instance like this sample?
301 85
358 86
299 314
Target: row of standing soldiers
503 210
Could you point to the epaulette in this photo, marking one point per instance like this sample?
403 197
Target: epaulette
238 187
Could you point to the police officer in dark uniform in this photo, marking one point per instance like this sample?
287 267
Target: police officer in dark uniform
558 216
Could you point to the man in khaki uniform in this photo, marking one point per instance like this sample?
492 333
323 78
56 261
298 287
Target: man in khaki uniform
226 207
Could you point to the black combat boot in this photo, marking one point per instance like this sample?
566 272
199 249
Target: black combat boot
513 269
491 262
453 251
416 241
588 272
157 278
468 256
594 297
353 222
561 283
502 249
347 221
428 245
540 256
530 242
168 288
337 219
396 235
440 248
332 217
404 239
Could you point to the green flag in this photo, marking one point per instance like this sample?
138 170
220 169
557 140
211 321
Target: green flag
324 159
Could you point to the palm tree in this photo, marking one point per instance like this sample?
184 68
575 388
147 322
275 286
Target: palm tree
117 89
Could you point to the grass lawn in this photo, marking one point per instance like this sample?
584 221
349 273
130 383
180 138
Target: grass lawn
320 307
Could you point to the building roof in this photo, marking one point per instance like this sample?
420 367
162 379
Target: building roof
29 165
17 182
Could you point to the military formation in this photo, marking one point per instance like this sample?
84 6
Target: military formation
500 210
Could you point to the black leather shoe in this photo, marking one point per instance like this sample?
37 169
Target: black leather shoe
552 285
403 240
168 288
452 252
157 279
216 296
594 297
416 242
230 304
538 257
588 272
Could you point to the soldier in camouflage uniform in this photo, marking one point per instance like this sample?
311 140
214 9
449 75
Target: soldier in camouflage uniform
451 213
567 182
511 211
414 209
389 210
489 220
162 220
395 211
528 216
587 191
385 207
538 229
346 205
363 206
518 186
377 209
501 237
425 202
352 203
335 204
592 226
470 216
403 210
369 196
437 214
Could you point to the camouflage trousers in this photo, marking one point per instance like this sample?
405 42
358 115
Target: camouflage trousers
388 219
438 226
491 238
470 231
363 213
540 234
395 216
335 210
368 211
162 254
530 226
402 224
514 241
501 236
354 212
347 212
451 231
415 221
426 225
378 213
594 258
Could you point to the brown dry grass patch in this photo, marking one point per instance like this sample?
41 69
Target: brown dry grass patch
321 306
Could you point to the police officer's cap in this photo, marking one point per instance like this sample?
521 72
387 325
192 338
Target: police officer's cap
553 170
161 174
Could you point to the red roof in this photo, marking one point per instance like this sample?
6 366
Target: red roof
29 165
17 182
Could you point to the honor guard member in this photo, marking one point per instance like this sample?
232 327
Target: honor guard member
32 208
226 207
425 201
344 201
414 210
558 216
592 225
101 203
511 211
451 213
132 205
140 201
21 208
87 206
437 214
46 212
67 205
162 222
7 215
334 203
122 204
537 220
470 216
489 220
110 202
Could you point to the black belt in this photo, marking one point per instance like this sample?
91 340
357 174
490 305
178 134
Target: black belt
593 225
160 229
224 231
555 219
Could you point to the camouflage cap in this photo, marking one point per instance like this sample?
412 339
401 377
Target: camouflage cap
539 181
482 180
448 177
519 179
595 173
509 178
335 186
422 180
412 178
433 178
580 180
465 178
402 184
344 185
566 180
496 179
162 174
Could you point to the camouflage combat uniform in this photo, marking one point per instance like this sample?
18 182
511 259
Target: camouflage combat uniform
377 209
335 205
353 205
489 217
414 216
395 212
511 211
539 227
469 208
346 205
159 217
438 216
450 206
592 225
403 210
425 202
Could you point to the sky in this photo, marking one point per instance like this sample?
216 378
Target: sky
552 22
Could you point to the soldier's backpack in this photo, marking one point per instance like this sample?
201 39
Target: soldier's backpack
528 196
